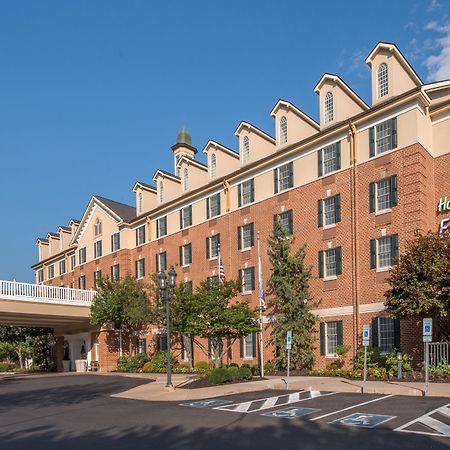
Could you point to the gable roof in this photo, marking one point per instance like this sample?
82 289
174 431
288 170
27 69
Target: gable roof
166 174
297 111
147 187
258 131
222 147
123 211
63 228
192 161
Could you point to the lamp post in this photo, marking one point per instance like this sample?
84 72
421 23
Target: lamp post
166 294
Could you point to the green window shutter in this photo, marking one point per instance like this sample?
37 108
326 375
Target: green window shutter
338 260
322 338
218 203
241 347
340 332
180 250
320 213
337 206
371 142
181 219
136 268
275 181
319 163
143 267
275 220
397 334
371 197
338 155
209 347
190 253
190 214
290 222
252 235
291 174
373 253
240 279
394 248
207 248
239 237
157 263
239 195
393 189
320 262
394 132
375 332
252 194
252 277
207 208
254 345
137 241
112 244
218 238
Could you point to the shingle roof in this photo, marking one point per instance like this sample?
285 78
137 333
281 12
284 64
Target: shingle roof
65 228
126 212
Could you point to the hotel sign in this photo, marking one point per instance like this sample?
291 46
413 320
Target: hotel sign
444 204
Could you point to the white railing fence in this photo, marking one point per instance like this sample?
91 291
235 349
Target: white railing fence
439 352
48 294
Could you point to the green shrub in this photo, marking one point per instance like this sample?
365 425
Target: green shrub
181 368
6 367
122 364
317 372
203 368
233 364
233 372
373 357
148 367
269 368
390 363
255 369
245 365
219 376
441 370
342 350
159 362
245 373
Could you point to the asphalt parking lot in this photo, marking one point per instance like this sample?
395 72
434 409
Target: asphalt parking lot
65 412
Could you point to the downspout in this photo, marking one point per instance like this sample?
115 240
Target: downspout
354 240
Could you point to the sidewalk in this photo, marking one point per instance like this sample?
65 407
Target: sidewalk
157 391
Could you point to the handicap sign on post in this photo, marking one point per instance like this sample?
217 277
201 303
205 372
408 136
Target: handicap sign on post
289 340
362 420
427 331
366 335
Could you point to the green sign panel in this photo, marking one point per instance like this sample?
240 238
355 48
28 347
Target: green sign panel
444 204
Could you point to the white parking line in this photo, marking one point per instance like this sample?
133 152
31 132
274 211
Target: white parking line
351 407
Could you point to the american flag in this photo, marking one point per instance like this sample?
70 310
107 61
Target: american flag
221 269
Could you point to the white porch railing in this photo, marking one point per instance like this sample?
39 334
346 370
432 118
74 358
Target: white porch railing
439 352
13 290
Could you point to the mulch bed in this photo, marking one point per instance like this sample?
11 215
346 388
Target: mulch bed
204 382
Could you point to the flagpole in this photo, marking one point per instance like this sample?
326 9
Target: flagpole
261 327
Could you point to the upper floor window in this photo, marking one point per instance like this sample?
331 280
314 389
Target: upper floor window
247 279
161 192
245 149
186 217
62 267
329 107
82 282
212 246
140 235
329 211
115 272
283 177
383 137
383 194
185 254
51 271
140 203
97 249
383 252
283 131
330 263
245 236
329 159
213 165
186 179
161 227
72 261
161 261
97 227
213 206
286 220
382 80
246 192
331 335
82 255
115 242
140 268
40 276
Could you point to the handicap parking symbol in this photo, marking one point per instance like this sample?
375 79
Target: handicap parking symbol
291 413
206 403
363 420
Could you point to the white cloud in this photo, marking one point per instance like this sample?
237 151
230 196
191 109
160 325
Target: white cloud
439 65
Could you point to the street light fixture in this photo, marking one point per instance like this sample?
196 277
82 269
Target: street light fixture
166 294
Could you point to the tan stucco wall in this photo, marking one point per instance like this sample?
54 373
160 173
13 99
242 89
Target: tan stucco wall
298 128
259 146
197 177
225 163
441 136
149 200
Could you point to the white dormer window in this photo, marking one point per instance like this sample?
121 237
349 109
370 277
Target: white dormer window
140 203
161 192
185 179
97 227
283 131
382 79
328 113
213 165
245 149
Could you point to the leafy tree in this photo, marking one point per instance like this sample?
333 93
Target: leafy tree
290 303
420 282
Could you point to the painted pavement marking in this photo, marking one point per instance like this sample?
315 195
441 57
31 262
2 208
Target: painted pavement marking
272 402
291 413
351 407
363 420
206 403
439 428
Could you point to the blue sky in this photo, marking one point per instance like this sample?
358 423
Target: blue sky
93 93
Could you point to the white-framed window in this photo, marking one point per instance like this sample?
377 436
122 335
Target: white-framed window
51 271
97 277
97 249
185 254
331 338
249 346
140 268
186 217
386 334
161 261
286 219
97 227
383 195
329 211
245 149
115 272
72 261
248 280
383 252
283 177
140 235
161 227
62 267
161 192
383 137
115 242
213 206
330 263
330 159
329 107
213 165
140 203
82 255
246 192
382 80
82 282
283 130
40 276
246 236
212 246
186 179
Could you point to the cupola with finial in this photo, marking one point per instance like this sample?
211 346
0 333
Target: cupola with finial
183 147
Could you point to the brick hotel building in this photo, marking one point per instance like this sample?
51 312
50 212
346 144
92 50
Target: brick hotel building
354 186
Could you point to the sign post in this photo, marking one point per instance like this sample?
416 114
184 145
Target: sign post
427 336
365 342
288 348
